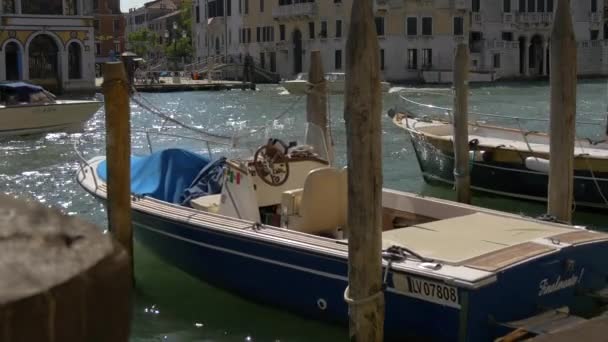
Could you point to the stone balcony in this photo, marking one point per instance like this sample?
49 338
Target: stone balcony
533 18
295 11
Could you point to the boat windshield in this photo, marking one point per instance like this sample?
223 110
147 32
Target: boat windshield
315 137
302 77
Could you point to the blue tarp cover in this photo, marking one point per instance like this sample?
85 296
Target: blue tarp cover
20 87
164 175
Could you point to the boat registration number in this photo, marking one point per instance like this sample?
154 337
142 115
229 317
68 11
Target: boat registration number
427 290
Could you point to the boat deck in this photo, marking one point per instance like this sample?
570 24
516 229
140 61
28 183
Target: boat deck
510 139
521 145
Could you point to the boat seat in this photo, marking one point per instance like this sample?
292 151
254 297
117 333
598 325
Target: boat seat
209 203
319 207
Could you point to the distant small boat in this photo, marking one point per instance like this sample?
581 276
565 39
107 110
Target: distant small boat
335 84
28 109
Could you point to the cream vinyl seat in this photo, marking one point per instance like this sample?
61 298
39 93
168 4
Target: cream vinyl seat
320 206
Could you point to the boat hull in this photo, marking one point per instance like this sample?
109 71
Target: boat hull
507 179
53 117
312 284
299 281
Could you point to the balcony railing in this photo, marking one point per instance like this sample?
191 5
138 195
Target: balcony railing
534 18
307 9
477 18
595 17
508 18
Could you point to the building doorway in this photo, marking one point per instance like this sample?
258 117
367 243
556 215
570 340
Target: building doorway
74 61
12 61
297 51
522 55
44 60
536 56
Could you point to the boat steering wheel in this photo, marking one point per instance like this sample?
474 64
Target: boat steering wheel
271 164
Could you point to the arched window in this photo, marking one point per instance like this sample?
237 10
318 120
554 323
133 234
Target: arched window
74 61
43 57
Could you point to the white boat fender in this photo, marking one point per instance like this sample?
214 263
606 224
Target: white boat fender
537 164
477 155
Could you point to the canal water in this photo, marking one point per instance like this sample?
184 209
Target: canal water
169 305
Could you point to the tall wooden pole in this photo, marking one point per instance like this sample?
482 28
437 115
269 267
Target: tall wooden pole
461 124
118 149
316 102
363 104
563 113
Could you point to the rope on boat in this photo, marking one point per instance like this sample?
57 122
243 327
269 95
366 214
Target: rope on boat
597 184
361 301
152 109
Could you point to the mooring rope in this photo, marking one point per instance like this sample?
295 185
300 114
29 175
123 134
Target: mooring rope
151 108
597 184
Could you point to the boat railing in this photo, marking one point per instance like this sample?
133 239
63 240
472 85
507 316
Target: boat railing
449 112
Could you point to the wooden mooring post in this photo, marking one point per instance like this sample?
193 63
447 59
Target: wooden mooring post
61 278
316 103
563 114
118 153
462 178
363 104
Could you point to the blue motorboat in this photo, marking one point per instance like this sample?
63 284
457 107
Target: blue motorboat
273 228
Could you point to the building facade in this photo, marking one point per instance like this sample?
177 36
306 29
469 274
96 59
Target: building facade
48 42
109 26
141 17
417 38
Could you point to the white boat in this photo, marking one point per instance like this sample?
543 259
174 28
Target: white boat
335 84
29 109
503 161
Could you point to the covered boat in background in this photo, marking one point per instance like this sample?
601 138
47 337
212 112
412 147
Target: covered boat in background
503 161
28 109
335 84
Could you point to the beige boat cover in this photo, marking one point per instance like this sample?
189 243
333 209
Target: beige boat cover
459 239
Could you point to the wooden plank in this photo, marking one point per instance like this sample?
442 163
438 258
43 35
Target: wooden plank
508 256
581 237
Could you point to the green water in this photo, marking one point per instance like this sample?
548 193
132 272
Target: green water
170 305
